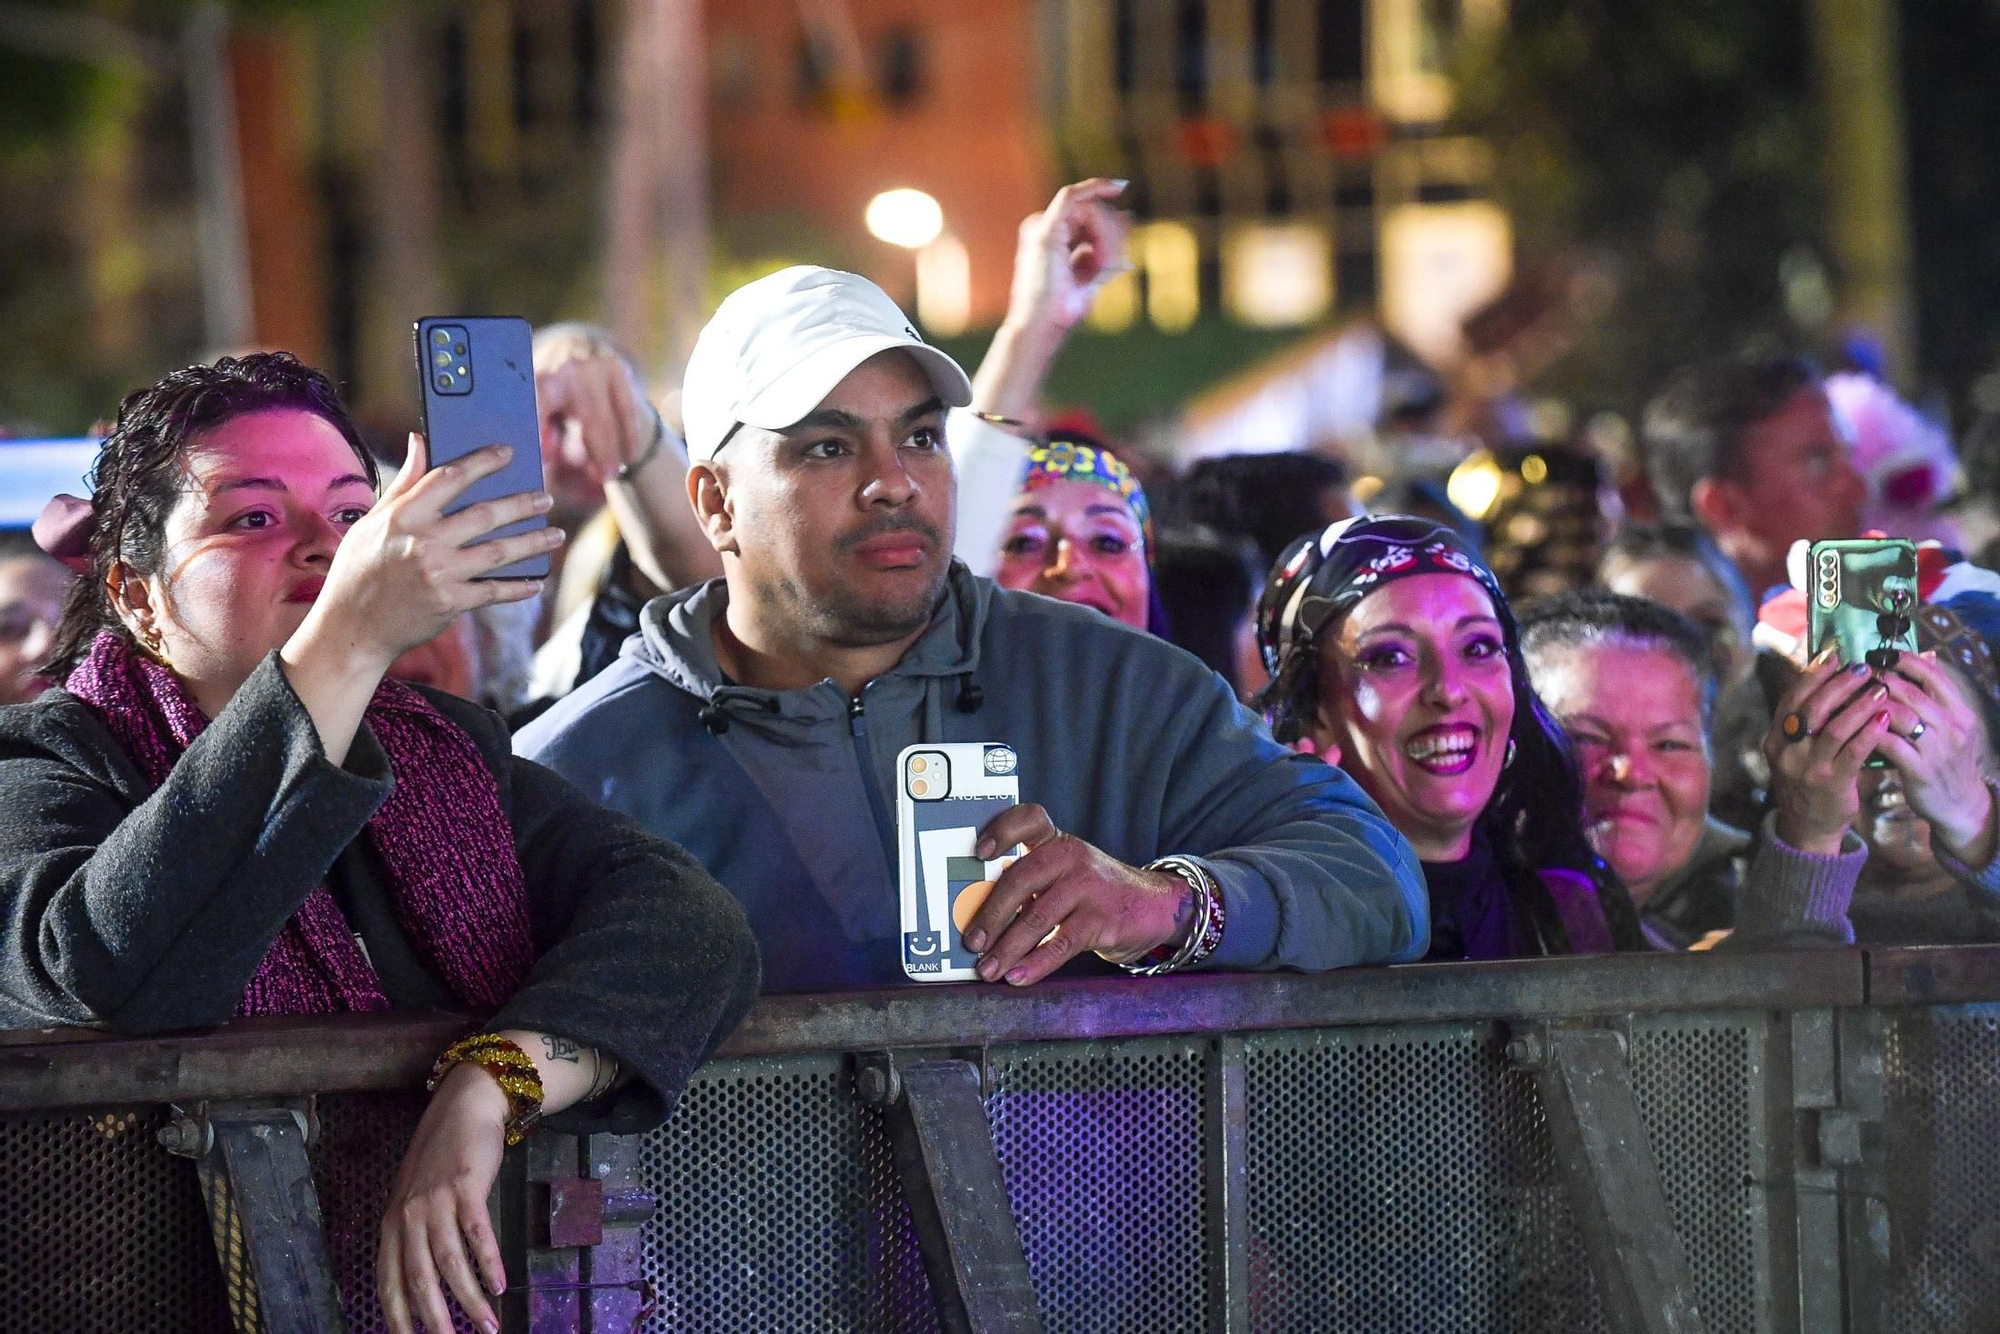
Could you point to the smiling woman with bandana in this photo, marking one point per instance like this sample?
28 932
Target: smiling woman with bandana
1393 650
1080 531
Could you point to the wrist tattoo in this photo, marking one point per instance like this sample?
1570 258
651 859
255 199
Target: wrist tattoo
562 1049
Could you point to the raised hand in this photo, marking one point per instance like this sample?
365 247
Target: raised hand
594 415
406 569
399 577
1827 724
1940 749
1065 251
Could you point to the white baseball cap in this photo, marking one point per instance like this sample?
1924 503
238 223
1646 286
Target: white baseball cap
776 347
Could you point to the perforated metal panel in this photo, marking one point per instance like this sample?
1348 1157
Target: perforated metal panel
1943 1069
1402 1179
1101 1146
101 1230
361 1140
1700 1084
779 1207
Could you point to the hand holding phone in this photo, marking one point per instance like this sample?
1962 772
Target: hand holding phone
478 389
945 794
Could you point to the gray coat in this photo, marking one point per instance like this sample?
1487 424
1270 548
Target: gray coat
142 910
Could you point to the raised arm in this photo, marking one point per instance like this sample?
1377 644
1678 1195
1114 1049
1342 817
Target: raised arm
595 415
1064 254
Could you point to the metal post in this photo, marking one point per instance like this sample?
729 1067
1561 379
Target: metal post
958 1201
257 1183
1610 1175
1226 1164
1844 1142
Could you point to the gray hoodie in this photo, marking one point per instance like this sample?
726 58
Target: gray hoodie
1130 743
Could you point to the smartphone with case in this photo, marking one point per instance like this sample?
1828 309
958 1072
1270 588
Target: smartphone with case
478 379
945 794
1862 598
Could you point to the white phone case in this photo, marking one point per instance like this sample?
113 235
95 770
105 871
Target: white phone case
946 792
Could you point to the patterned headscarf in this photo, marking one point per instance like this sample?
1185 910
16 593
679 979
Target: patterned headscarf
1322 575
1079 459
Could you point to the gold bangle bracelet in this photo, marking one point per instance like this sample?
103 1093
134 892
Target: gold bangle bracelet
510 1067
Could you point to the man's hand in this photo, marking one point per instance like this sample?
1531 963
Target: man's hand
1065 897
1844 714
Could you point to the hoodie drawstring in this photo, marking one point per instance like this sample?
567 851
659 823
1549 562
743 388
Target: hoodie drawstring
970 696
716 720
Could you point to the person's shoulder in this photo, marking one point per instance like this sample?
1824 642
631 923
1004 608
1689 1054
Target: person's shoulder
1031 621
1040 637
605 704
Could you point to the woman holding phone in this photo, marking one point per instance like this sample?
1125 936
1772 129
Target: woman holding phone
226 810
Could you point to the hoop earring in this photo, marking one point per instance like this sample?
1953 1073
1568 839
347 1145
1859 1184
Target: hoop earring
1508 762
153 645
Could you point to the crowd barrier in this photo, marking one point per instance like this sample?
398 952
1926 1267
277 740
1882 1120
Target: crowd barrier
1796 1143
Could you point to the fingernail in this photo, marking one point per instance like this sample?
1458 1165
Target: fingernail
975 941
490 1326
1882 720
983 849
1858 668
1120 182
1879 692
1018 977
545 501
988 970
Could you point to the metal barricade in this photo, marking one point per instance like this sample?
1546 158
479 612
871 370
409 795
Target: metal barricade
1790 1143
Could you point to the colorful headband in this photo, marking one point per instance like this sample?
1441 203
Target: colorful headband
1322 575
63 529
1076 461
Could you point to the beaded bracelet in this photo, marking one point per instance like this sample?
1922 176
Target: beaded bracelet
1204 931
512 1069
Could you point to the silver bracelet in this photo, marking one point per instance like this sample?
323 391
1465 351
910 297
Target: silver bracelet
1204 931
604 1077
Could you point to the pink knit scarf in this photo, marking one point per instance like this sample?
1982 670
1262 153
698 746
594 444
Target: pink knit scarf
454 878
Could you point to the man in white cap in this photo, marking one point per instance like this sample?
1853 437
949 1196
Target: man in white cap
756 719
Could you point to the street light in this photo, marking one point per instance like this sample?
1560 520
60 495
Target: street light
905 217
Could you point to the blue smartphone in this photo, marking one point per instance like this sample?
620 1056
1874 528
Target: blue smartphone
478 379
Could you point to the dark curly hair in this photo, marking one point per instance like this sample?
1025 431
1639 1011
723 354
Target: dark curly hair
141 467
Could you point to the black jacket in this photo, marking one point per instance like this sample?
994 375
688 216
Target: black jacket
142 910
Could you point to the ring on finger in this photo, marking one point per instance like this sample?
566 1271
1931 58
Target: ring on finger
1793 726
1916 732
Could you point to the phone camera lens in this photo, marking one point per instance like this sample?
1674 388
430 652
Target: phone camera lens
440 337
444 382
443 358
458 349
